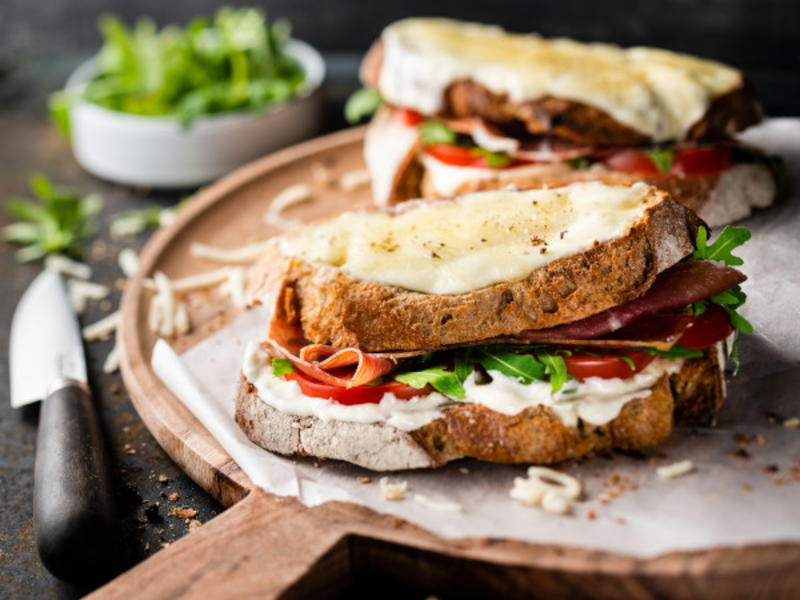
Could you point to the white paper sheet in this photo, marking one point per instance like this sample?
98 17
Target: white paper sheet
728 500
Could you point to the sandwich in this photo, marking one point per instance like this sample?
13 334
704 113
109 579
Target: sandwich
463 106
514 326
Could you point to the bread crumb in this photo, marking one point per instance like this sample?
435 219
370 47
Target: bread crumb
440 505
353 180
674 470
553 491
393 491
591 515
740 453
174 496
463 470
621 520
321 175
163 478
761 439
747 487
194 525
363 480
184 513
792 423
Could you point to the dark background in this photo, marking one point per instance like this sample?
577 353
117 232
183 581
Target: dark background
41 41
760 37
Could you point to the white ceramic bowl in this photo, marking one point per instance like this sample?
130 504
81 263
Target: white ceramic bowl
159 152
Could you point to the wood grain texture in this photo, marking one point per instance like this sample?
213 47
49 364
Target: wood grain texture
265 546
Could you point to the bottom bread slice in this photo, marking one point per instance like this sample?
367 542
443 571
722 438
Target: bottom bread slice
691 396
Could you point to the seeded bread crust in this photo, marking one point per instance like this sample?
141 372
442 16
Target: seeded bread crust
576 121
336 309
536 435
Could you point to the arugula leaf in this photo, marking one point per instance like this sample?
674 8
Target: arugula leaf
727 241
436 132
674 352
57 222
495 160
580 162
463 365
282 366
361 103
237 61
522 367
556 368
439 377
662 159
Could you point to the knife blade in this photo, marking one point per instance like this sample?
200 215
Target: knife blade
73 502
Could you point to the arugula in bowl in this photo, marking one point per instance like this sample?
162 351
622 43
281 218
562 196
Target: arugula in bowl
234 62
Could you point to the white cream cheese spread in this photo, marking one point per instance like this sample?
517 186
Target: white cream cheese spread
658 93
472 241
596 401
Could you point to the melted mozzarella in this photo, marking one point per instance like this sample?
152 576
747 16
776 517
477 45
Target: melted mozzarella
596 401
658 93
472 241
387 147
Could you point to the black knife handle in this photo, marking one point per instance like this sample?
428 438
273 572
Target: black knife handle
73 500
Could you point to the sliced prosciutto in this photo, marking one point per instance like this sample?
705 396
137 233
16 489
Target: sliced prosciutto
677 287
348 367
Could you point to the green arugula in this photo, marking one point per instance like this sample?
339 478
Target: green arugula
580 162
727 241
436 132
442 380
282 366
662 159
237 61
57 222
673 353
495 160
522 367
361 103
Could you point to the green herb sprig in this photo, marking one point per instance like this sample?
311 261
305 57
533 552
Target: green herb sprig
361 104
58 221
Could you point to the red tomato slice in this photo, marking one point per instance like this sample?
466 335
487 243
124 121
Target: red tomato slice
363 394
459 156
687 163
710 327
701 161
582 365
408 117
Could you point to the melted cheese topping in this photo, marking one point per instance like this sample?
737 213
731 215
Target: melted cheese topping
658 93
596 401
472 241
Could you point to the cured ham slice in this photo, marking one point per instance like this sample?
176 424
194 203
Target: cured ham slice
675 288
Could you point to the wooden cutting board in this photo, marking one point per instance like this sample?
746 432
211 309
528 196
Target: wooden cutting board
266 546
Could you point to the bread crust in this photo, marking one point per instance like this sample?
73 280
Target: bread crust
717 198
575 121
336 309
536 435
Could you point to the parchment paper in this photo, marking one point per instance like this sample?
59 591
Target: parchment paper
746 485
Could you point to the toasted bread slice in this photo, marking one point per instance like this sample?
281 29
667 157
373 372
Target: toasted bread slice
691 396
336 308
573 120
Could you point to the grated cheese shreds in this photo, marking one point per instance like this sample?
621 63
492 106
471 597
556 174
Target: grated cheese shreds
353 180
234 256
80 292
674 470
165 298
193 283
440 505
551 490
393 491
294 194
111 364
101 329
128 261
67 266
236 284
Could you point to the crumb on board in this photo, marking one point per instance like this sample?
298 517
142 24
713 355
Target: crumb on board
194 525
677 469
353 180
184 512
363 480
163 478
792 423
393 491
174 497
739 453
321 174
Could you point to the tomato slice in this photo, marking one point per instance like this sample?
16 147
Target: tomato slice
363 394
583 365
460 156
407 116
710 327
687 163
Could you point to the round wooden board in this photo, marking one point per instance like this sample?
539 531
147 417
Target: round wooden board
279 547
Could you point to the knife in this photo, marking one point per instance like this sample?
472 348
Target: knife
73 502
